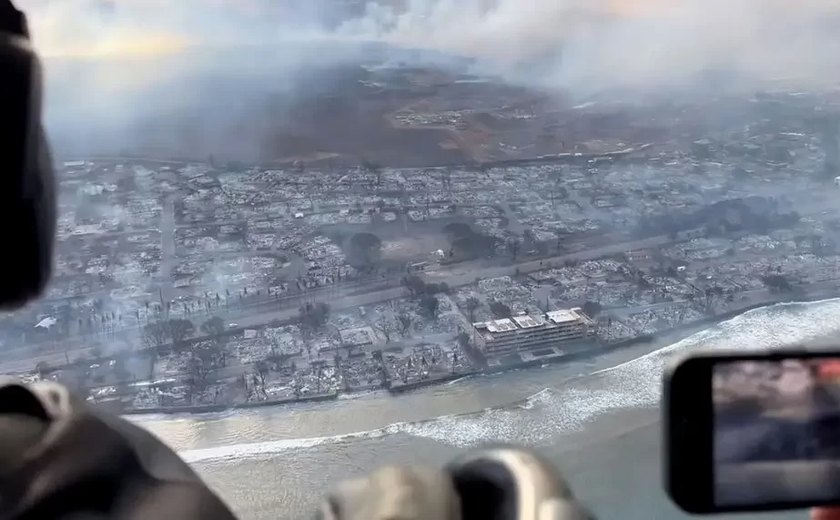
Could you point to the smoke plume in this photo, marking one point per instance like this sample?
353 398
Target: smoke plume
218 64
600 44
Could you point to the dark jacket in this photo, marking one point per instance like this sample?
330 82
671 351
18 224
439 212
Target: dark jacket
61 459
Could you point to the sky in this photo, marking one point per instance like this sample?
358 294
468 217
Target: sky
143 50
577 41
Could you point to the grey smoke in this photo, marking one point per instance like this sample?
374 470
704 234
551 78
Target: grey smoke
242 64
591 45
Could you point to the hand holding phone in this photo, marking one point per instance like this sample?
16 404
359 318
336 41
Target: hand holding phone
749 432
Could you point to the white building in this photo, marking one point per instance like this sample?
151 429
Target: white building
507 336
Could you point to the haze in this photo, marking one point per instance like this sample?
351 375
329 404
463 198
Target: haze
114 64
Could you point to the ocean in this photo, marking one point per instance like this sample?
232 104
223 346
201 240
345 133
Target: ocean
597 419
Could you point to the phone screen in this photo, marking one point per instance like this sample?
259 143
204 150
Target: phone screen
776 431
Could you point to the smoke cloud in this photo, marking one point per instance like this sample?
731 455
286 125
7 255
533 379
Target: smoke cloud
217 64
598 44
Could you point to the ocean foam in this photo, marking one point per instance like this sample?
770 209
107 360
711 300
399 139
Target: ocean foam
360 395
636 383
540 417
256 449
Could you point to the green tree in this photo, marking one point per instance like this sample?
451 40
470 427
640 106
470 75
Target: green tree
314 316
43 368
500 310
155 333
435 288
472 305
777 282
405 323
464 340
415 285
429 304
591 309
364 251
372 167
215 326
179 330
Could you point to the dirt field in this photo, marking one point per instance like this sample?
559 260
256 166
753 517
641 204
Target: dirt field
254 107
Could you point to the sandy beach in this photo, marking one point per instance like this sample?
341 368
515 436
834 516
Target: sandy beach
598 419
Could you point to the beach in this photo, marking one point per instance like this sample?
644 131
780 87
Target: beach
597 418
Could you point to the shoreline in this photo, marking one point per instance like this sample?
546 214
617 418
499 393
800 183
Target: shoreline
669 336
215 408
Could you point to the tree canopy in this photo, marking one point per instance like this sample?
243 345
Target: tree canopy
429 304
43 368
777 282
215 326
364 250
179 330
314 315
591 308
155 333
472 304
500 310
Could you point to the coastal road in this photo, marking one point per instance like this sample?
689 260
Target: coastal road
454 276
465 274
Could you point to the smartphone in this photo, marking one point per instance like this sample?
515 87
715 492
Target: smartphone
752 432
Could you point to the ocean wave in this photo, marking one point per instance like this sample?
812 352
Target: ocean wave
360 395
542 416
543 396
634 384
269 448
257 449
143 418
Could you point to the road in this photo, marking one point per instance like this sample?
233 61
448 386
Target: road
167 250
466 273
454 276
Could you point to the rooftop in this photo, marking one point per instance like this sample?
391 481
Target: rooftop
563 316
524 322
528 322
503 325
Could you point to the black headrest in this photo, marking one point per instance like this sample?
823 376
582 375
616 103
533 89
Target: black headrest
27 197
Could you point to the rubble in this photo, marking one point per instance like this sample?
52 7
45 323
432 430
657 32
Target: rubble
736 215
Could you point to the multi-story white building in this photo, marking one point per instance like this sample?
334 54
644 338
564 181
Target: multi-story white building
529 332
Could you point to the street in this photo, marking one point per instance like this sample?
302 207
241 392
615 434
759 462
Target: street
455 276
